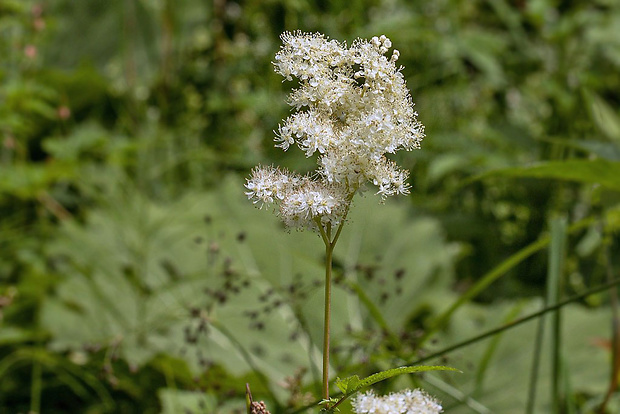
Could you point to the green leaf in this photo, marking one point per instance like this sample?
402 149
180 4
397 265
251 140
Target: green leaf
14 335
354 384
348 384
28 180
602 149
589 359
178 401
605 118
602 172
135 268
327 406
85 140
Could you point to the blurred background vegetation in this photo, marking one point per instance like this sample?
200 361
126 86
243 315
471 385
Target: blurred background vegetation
135 278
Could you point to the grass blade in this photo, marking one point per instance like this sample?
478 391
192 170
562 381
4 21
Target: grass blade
496 273
554 293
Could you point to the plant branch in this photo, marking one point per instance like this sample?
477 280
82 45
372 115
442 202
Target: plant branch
322 232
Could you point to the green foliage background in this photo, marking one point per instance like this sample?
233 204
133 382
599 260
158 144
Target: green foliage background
135 277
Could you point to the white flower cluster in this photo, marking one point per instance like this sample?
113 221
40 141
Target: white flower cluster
404 402
353 107
301 199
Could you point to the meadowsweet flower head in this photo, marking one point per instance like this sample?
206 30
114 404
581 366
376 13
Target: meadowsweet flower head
352 108
404 402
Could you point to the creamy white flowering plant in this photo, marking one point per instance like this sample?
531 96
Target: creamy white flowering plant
351 109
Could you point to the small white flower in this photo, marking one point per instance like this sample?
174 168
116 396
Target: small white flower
267 184
312 200
404 402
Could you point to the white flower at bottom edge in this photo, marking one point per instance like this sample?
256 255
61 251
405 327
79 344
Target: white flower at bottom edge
403 402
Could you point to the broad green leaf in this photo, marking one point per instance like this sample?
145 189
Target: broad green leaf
401 264
179 401
602 172
509 368
606 150
137 270
133 272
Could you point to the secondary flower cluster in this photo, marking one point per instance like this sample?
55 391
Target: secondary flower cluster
404 402
353 108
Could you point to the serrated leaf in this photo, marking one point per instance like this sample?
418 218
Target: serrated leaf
383 375
113 289
134 271
348 384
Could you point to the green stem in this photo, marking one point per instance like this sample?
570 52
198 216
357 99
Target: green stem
330 243
329 249
35 387
248 398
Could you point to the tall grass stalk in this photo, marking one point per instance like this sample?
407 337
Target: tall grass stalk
496 273
614 283
554 292
534 372
615 331
36 387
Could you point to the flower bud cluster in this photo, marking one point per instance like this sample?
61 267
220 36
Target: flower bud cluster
353 108
404 402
